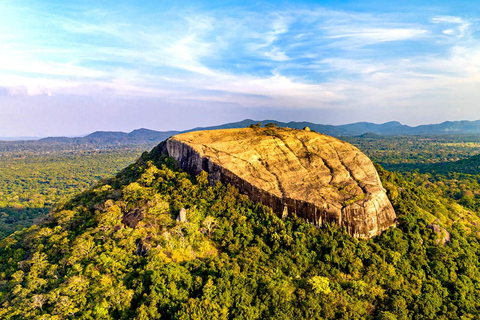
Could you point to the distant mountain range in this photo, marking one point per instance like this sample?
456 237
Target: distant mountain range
139 136
146 136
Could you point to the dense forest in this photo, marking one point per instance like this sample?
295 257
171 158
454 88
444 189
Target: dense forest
116 251
416 150
446 165
31 183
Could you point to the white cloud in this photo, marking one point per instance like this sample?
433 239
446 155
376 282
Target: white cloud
459 31
276 55
307 59
351 66
19 62
377 35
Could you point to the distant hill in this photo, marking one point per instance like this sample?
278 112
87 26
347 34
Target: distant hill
136 136
447 127
106 135
107 139
360 128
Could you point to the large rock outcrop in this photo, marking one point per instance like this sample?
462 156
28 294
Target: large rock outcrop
320 178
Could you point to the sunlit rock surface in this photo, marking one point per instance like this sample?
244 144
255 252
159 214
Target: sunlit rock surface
318 177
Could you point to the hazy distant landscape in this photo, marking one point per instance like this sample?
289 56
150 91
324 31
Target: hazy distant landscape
106 139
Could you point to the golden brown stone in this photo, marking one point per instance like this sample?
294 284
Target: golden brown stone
320 178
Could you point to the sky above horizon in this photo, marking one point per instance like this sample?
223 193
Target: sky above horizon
80 66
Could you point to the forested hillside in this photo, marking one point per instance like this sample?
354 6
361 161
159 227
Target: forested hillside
31 183
117 252
448 166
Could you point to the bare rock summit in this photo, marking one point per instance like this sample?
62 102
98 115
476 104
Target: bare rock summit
317 177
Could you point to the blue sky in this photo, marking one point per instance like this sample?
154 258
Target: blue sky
76 67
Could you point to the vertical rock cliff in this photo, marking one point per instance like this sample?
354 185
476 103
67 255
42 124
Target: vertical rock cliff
317 177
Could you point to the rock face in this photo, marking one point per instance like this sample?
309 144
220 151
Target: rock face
317 177
133 216
444 235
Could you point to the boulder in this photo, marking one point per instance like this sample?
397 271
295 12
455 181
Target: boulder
317 177
133 216
142 248
182 215
443 235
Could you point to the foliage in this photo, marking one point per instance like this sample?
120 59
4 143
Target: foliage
30 184
232 258
320 284
417 150
271 125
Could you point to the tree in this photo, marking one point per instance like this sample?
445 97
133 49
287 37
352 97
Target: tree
320 285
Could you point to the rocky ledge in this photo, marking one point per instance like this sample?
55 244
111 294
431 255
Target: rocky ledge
317 177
